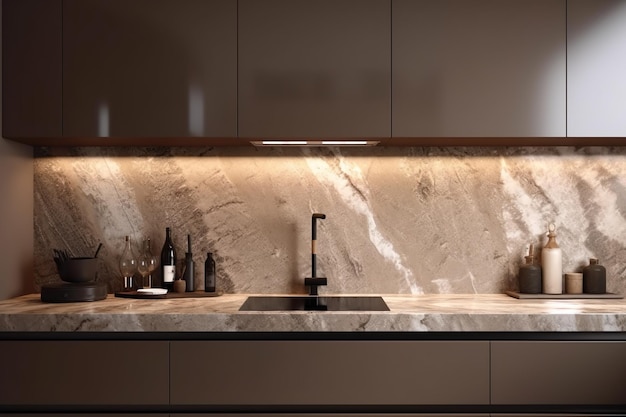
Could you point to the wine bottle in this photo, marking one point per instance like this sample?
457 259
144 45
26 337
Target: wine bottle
209 273
168 261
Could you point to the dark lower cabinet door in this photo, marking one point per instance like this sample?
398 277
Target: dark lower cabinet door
549 415
479 68
336 415
150 68
87 373
31 68
558 373
328 373
314 68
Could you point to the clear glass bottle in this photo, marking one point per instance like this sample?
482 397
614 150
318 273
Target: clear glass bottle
128 266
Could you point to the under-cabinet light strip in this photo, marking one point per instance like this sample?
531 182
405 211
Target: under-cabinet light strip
315 142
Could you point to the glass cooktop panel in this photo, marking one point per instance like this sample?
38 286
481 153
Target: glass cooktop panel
312 303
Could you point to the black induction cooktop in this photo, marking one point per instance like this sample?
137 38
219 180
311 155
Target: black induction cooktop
314 303
70 292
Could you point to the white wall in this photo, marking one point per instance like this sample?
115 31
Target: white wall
16 217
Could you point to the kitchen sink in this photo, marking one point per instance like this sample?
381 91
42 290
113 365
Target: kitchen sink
314 303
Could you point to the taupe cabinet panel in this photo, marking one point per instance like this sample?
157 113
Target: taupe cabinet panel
478 68
334 415
596 64
314 68
548 415
150 68
31 68
83 372
329 372
573 373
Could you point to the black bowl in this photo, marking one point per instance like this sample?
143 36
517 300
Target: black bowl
78 269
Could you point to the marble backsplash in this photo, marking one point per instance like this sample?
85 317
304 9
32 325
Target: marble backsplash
399 220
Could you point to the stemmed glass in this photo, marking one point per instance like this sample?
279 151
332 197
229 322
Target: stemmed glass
128 266
147 264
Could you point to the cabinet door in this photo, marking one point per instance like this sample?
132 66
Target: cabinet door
84 415
31 68
149 68
84 373
596 64
478 68
547 415
336 415
329 372
314 68
570 373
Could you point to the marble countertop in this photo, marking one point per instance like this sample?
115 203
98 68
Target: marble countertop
413 313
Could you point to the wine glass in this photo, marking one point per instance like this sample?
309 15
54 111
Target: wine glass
128 266
147 264
144 270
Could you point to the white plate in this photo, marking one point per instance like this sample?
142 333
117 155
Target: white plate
152 291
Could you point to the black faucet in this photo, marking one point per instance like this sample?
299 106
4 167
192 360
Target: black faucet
314 281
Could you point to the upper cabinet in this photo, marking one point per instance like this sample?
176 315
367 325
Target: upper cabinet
31 68
596 68
223 72
478 68
314 68
150 68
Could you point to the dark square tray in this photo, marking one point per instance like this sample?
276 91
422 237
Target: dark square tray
523 296
169 295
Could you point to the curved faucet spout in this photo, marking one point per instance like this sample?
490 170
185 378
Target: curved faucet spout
314 225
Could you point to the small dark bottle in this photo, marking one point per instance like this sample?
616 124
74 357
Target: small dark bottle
530 275
594 278
168 261
209 273
189 273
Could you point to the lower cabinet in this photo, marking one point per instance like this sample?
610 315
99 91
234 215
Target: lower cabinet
95 373
333 415
239 378
558 373
329 373
551 415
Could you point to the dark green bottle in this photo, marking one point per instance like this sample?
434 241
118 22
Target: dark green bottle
594 278
530 274
209 273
